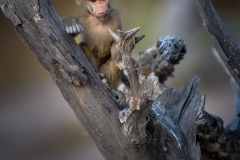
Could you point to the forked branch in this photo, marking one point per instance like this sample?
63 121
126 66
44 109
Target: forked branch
134 118
126 42
164 129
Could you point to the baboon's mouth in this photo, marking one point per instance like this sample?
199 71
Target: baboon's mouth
101 17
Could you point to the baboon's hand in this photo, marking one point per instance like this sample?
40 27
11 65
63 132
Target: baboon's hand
103 78
72 25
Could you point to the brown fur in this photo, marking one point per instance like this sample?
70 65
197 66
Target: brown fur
99 46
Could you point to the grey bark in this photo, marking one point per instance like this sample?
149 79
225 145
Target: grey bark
162 57
224 143
173 126
228 50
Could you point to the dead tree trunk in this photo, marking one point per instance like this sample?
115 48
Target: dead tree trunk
173 126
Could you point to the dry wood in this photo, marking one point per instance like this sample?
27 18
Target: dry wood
228 50
162 57
171 127
126 42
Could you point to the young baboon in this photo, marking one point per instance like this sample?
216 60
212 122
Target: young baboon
97 44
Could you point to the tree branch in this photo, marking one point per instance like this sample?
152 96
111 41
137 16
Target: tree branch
126 42
94 105
228 50
162 129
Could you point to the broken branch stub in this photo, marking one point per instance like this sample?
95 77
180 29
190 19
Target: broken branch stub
175 116
126 42
162 57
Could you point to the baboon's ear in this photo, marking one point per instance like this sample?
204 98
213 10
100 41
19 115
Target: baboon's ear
79 2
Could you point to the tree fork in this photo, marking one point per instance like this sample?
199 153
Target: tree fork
42 30
170 127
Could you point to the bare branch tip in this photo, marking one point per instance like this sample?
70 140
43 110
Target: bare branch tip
115 37
139 38
133 31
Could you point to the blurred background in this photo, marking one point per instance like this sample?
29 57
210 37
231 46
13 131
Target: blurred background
35 121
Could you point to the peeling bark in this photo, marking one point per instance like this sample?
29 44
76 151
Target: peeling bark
172 126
